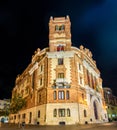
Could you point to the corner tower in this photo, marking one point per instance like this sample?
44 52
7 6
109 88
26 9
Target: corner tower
59 34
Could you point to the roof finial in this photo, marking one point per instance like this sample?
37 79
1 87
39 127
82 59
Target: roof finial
51 18
67 16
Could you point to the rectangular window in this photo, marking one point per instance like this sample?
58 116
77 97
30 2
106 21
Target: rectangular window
60 61
88 78
61 95
55 113
39 114
60 48
54 95
30 117
61 112
83 96
39 98
23 116
14 116
92 80
80 67
81 80
67 94
41 68
68 112
33 79
95 80
60 75
85 113
18 116
41 81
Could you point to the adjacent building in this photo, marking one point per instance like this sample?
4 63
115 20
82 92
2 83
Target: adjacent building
111 104
62 84
4 110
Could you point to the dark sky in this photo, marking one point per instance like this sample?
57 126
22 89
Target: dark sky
24 28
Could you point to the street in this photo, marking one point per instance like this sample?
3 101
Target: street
105 126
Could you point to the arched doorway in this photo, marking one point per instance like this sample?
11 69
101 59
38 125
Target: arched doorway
95 110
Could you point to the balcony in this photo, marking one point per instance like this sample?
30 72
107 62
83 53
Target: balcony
58 80
60 83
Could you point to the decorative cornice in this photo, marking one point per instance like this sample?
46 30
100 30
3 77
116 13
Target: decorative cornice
35 66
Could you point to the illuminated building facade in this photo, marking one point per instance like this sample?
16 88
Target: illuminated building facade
4 107
62 84
111 104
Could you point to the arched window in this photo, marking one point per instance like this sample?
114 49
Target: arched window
68 112
88 78
55 113
38 113
60 48
54 95
92 80
81 80
80 67
85 113
56 27
83 96
95 110
40 81
95 80
61 95
67 94
63 27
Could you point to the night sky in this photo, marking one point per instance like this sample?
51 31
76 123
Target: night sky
24 28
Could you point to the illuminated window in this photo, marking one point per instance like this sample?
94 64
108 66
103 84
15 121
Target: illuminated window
61 112
60 48
61 95
60 75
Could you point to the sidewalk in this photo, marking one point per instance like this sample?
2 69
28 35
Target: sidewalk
58 127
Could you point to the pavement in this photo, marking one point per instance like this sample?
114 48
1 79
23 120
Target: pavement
58 127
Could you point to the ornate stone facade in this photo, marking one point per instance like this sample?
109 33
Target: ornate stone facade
62 84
